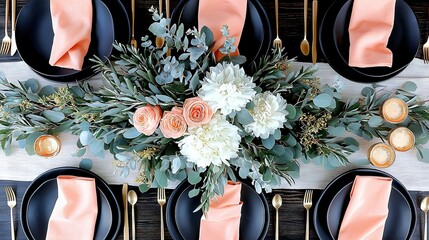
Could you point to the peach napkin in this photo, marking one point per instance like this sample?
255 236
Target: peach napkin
216 14
222 221
371 24
367 211
72 24
75 211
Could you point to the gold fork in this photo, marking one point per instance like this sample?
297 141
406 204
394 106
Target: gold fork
11 202
161 201
426 52
307 205
5 45
277 43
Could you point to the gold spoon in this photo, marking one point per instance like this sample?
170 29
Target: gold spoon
132 199
133 13
305 45
277 203
424 205
159 41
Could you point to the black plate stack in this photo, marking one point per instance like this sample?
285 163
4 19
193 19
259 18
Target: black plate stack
332 204
334 42
183 223
34 37
40 197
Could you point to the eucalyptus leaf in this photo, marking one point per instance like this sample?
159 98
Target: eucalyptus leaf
47 90
161 178
269 142
375 121
244 117
323 100
193 193
32 84
86 164
409 86
29 142
53 116
131 133
194 177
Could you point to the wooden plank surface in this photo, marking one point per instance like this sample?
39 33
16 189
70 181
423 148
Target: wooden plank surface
292 213
290 19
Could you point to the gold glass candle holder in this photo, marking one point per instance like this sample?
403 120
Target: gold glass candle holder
47 146
394 110
401 139
381 155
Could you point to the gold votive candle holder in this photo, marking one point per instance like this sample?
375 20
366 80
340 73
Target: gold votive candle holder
381 155
401 139
394 110
47 146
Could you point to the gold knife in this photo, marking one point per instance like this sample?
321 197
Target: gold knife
13 49
314 44
125 200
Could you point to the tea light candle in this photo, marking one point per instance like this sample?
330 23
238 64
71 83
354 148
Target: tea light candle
401 139
381 155
47 146
394 110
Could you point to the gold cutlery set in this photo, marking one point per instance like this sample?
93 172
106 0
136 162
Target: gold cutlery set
305 45
307 203
8 45
130 197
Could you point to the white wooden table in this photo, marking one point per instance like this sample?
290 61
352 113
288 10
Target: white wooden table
411 172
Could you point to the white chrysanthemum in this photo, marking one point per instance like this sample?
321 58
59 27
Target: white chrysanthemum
227 87
212 143
269 113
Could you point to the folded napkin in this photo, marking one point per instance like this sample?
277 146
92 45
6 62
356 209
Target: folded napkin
222 221
371 24
216 14
72 24
75 211
367 211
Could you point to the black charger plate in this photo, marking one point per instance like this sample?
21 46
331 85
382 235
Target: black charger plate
333 202
40 197
403 42
182 223
256 36
34 37
337 61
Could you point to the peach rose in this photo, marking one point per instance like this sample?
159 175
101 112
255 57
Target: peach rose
146 119
173 123
196 112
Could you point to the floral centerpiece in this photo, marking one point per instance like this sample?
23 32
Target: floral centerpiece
186 116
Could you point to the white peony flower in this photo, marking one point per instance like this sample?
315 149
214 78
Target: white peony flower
227 87
213 143
269 114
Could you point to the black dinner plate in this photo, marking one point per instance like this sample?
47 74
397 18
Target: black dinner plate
330 207
182 223
332 55
403 42
256 37
34 37
40 197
